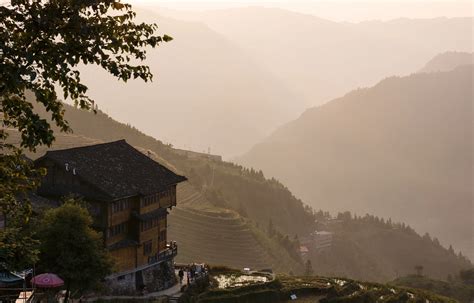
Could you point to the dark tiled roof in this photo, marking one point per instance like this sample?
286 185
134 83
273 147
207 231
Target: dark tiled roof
116 168
158 213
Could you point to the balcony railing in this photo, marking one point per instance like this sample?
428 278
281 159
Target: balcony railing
169 253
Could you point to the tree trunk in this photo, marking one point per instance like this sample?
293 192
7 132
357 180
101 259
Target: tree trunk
66 297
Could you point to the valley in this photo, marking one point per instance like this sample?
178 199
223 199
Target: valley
409 137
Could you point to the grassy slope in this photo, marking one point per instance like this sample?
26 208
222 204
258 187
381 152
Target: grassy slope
263 199
400 149
225 187
219 236
379 251
455 289
326 290
205 232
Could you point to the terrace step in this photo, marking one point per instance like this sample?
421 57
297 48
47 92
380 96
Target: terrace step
211 235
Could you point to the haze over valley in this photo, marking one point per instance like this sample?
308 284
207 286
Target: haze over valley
221 151
401 149
249 70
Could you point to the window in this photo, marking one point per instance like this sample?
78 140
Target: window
149 200
145 225
164 194
118 229
147 247
162 235
118 206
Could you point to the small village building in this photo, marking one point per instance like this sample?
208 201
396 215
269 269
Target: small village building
129 196
322 240
317 241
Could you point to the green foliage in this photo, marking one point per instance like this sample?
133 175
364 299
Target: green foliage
419 270
233 186
17 248
271 229
42 44
71 248
371 249
467 276
365 247
18 179
456 288
263 199
326 290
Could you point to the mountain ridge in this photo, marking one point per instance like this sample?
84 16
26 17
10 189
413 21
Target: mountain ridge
310 54
221 80
356 135
221 189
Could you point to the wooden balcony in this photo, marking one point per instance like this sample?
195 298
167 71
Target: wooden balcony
169 253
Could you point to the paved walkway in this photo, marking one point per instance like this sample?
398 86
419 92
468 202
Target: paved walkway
174 291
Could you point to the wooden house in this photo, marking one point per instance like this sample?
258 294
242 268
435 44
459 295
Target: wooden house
129 196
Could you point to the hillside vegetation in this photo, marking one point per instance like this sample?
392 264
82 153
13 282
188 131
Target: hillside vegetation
309 289
379 250
225 184
400 149
455 287
225 204
205 233
218 236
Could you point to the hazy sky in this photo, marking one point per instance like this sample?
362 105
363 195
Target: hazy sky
338 10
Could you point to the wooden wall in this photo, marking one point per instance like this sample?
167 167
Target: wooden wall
61 182
124 258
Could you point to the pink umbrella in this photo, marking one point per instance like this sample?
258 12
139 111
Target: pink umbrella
47 280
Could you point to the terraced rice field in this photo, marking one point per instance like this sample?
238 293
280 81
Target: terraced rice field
207 234
204 233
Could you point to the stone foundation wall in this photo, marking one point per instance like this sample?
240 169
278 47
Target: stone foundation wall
159 277
154 278
121 285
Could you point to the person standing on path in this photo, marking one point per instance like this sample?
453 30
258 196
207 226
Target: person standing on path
181 276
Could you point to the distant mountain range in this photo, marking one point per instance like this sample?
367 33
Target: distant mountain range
400 149
231 77
448 61
206 92
322 59
224 213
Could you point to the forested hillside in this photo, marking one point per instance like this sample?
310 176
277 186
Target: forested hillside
226 199
400 149
375 249
459 286
226 183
